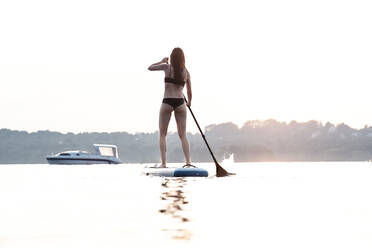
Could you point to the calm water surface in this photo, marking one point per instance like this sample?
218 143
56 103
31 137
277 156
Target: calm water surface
264 205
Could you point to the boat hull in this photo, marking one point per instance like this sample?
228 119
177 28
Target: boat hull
75 161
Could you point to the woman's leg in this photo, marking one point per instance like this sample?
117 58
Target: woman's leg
181 115
164 117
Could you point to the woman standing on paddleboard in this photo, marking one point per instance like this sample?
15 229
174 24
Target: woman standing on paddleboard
176 77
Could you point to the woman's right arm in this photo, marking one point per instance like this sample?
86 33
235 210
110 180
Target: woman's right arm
158 66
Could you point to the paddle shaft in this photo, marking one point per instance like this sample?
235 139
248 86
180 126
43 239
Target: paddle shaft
220 172
201 132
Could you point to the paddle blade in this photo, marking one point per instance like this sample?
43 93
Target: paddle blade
221 172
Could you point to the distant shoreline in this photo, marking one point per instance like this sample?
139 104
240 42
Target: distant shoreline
255 141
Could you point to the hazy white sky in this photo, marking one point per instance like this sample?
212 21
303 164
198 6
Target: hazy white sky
82 65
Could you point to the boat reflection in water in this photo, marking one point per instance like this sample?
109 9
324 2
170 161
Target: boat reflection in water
174 195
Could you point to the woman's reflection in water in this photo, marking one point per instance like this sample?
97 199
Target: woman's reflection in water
172 192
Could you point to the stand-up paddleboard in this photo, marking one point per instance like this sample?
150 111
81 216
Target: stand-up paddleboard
175 172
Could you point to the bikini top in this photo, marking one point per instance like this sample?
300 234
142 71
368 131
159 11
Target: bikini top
174 81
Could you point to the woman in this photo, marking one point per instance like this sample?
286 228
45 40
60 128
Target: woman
176 77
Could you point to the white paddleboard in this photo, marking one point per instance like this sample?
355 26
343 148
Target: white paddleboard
175 172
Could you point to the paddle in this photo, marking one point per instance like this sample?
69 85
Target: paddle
220 172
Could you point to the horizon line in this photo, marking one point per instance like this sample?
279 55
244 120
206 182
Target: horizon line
170 132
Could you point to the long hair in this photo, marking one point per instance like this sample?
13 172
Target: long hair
177 60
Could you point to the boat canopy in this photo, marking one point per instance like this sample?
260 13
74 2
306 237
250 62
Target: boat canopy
106 150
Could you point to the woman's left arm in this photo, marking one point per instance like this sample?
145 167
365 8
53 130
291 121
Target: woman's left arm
188 88
159 66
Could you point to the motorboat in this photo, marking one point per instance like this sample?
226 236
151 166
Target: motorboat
104 154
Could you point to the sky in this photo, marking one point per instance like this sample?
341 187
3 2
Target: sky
81 66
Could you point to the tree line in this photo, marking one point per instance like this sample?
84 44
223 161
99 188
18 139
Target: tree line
256 140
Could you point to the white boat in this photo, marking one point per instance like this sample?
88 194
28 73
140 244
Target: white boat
105 154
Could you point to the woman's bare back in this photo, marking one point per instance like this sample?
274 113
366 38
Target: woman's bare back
173 90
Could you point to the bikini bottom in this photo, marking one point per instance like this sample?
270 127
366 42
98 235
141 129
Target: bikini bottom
174 102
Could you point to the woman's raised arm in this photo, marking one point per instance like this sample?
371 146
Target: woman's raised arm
159 66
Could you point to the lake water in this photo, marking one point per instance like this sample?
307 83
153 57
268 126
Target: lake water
264 205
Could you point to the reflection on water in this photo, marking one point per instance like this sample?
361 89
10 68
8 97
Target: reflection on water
174 196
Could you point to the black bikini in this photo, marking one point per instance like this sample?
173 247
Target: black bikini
173 81
173 102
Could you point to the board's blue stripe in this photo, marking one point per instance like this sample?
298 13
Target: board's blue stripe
187 172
